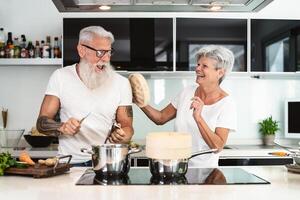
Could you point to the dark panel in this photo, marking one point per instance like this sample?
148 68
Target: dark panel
140 43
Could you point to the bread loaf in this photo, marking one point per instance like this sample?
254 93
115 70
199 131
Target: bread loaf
140 89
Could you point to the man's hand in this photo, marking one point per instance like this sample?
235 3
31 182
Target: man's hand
70 127
118 135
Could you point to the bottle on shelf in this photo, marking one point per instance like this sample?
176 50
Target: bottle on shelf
37 50
2 43
9 49
56 49
17 48
24 52
30 49
47 48
41 48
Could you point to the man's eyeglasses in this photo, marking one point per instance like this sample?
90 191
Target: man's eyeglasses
100 53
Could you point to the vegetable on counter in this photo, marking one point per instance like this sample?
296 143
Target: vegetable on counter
25 157
6 161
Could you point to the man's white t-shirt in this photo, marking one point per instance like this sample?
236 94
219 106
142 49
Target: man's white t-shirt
220 114
76 101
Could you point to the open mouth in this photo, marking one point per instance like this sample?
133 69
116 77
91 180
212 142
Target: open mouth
200 75
101 67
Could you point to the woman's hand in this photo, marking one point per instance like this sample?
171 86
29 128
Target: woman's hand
197 105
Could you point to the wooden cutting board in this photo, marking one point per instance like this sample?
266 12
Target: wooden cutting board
41 171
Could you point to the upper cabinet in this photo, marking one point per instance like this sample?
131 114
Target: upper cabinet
141 44
275 45
194 33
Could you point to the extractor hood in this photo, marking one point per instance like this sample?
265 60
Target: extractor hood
160 5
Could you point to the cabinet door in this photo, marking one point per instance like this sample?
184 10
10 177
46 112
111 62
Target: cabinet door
141 44
192 34
275 45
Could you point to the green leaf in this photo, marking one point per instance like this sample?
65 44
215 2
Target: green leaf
268 126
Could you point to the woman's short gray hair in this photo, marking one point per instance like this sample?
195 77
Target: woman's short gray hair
223 56
88 33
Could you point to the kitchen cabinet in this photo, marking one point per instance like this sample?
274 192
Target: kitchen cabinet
194 33
141 44
275 45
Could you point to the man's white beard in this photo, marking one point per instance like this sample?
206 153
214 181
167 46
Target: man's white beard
90 77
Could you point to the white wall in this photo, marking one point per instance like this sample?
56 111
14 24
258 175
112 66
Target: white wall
22 87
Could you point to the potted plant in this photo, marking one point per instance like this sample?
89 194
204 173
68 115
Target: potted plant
268 128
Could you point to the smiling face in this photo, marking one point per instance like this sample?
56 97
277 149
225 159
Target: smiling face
94 70
207 72
90 55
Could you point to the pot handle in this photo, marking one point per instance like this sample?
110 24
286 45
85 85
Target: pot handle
134 150
85 150
207 151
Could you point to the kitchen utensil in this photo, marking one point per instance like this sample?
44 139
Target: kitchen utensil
279 153
10 138
41 171
114 126
110 159
173 167
4 117
39 141
84 117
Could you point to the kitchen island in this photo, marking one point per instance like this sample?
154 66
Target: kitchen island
284 185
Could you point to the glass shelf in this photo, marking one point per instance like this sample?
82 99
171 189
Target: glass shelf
30 61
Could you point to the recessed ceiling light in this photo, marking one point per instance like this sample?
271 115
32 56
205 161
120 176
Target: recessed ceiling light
215 8
104 7
217 5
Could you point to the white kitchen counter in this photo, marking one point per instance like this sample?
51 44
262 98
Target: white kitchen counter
284 185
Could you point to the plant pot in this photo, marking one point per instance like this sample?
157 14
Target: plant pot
268 140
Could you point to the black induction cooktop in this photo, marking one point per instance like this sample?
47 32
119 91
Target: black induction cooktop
194 176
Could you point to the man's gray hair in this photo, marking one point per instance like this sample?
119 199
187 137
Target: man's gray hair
223 56
88 33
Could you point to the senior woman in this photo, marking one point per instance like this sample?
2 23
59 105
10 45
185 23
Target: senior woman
204 110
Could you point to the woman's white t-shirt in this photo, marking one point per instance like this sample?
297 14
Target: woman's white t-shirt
76 101
220 114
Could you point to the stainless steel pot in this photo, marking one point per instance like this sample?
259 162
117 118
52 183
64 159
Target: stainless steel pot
173 167
110 159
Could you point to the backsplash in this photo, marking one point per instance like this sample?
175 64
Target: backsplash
255 100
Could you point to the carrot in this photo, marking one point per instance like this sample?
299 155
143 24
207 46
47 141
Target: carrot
25 157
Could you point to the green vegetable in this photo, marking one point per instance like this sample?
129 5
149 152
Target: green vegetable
6 161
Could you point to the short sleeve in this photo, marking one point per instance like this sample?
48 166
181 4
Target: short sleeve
228 116
53 87
175 100
125 91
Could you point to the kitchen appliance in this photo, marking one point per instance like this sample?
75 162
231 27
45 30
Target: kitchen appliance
291 118
110 159
160 5
194 176
173 167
